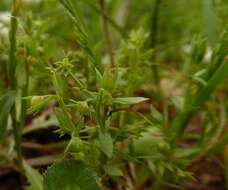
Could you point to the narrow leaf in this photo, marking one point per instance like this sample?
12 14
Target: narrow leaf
210 21
34 177
6 103
130 100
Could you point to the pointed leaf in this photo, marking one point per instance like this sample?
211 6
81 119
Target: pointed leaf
6 103
178 102
65 122
130 100
106 144
59 84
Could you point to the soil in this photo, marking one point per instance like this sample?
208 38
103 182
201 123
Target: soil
209 175
10 181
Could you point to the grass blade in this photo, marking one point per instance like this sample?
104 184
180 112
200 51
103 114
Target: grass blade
6 104
210 21
34 177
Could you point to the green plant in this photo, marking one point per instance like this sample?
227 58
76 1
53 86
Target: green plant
128 113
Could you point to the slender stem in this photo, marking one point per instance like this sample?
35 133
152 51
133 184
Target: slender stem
112 22
107 33
12 52
24 101
23 113
155 70
13 80
153 36
225 152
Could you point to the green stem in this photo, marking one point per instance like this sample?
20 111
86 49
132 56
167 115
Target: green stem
12 52
13 81
153 36
225 152
24 102
112 22
99 111
107 33
155 70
